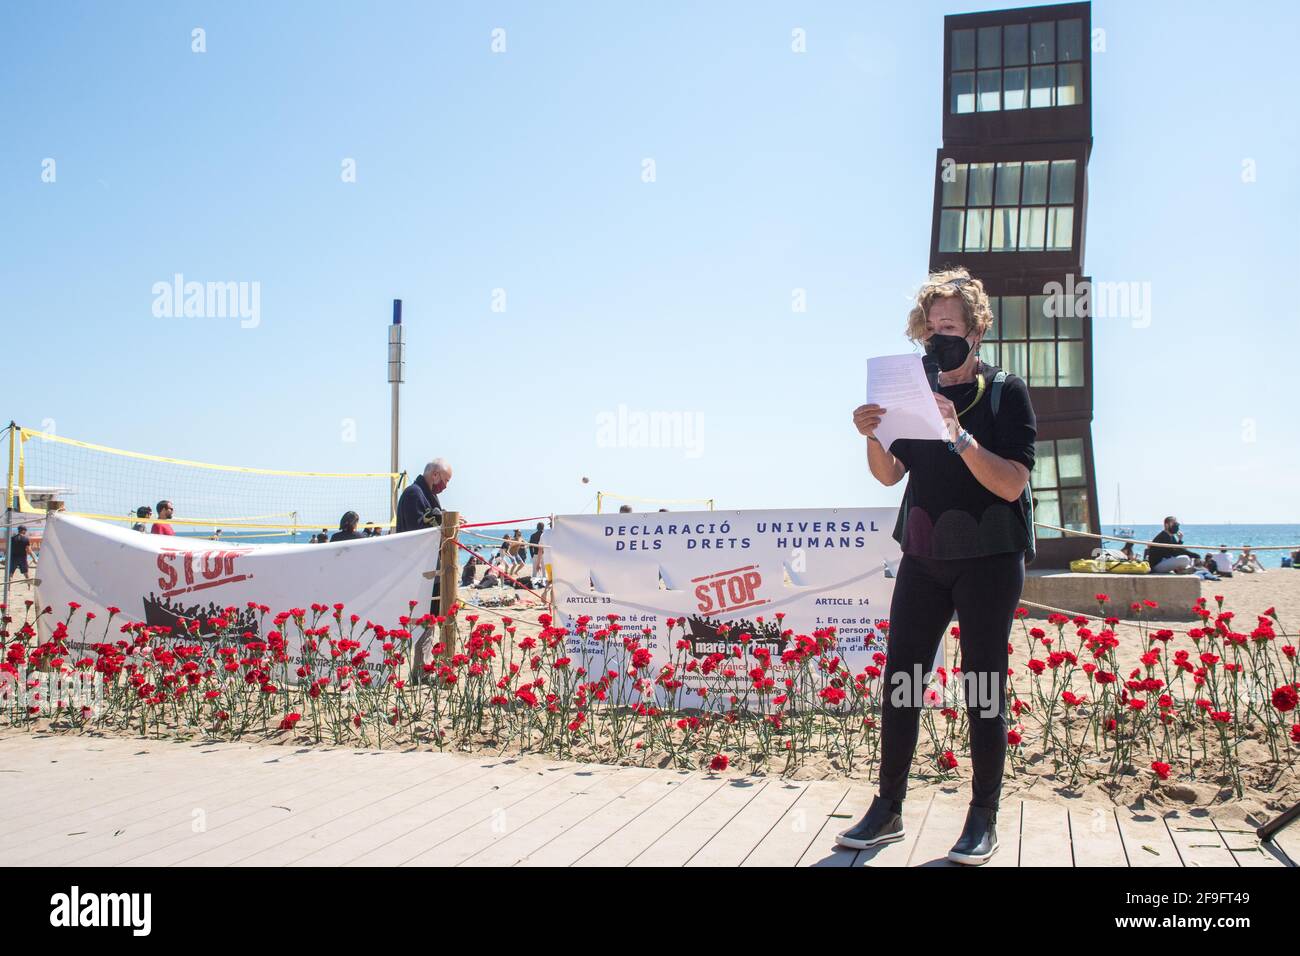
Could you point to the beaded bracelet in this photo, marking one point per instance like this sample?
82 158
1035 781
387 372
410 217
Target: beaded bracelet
964 439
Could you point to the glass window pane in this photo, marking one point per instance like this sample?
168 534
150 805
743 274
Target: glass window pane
954 183
1047 509
1016 41
1060 228
1013 357
1033 224
981 185
1069 364
1062 181
1074 509
1041 321
1034 178
990 98
1043 474
1042 41
951 223
1042 364
1040 87
1008 191
1069 461
977 230
1069 84
963 49
995 306
1015 89
963 93
1006 224
1069 326
990 44
1013 316
989 352
1069 33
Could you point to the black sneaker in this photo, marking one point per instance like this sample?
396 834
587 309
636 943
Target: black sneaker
880 825
979 838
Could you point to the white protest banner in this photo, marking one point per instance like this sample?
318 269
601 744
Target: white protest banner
159 579
759 572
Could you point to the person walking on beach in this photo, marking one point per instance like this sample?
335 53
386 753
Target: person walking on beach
1173 558
19 547
534 551
965 533
165 514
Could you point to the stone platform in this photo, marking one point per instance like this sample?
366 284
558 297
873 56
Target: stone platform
1175 593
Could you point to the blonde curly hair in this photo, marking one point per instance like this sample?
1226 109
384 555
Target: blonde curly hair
947 284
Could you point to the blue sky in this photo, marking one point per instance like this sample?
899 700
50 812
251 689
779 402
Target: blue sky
522 171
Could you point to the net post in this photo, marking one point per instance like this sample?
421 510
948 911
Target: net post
449 580
598 496
9 514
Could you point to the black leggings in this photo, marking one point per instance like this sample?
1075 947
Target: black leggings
984 592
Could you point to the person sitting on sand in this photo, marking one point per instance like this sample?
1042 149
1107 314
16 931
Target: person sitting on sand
1248 562
1220 562
1175 559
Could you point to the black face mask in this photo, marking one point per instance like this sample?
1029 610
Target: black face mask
948 350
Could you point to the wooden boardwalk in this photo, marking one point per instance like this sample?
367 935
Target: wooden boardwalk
86 801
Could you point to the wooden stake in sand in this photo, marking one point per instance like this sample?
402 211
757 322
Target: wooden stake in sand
450 579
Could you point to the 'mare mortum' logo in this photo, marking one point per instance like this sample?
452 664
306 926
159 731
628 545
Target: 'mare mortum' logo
185 571
727 591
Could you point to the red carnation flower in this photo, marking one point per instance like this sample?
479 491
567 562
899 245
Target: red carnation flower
719 763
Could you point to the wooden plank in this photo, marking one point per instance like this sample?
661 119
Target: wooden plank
447 822
138 834
822 850
576 842
125 822
598 792
1095 838
792 835
1243 843
627 843
738 838
345 837
1147 842
386 837
504 822
229 837
915 812
692 832
1044 834
942 827
1198 840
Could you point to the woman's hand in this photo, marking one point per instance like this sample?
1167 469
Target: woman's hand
948 412
866 418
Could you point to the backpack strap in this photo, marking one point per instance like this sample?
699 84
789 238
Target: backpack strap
995 397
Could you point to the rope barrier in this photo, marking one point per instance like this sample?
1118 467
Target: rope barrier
487 537
488 524
1161 544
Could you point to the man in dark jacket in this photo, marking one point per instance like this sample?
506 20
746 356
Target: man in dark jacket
419 508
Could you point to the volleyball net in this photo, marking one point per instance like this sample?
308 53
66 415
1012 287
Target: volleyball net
607 499
50 472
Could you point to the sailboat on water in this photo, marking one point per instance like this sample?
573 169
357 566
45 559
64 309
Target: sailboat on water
1119 529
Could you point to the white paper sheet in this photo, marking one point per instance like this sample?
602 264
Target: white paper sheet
897 383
